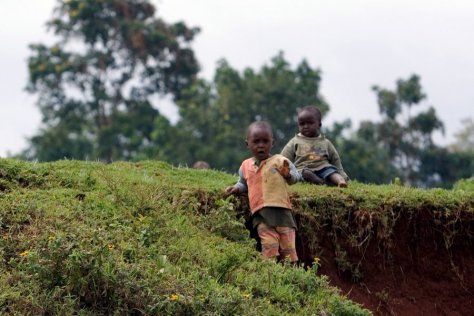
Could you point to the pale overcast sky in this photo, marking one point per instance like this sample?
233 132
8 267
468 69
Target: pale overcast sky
356 44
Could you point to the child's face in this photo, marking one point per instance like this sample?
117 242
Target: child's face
260 142
309 123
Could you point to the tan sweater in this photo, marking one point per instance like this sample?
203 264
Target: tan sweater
313 153
266 187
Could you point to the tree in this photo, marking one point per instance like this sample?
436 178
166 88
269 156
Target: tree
401 144
406 138
364 158
465 137
97 84
443 167
214 116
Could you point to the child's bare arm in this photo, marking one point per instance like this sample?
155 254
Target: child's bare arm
239 187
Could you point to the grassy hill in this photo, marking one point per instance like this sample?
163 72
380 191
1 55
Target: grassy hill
148 238
88 238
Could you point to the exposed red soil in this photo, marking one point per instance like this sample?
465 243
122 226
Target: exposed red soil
424 267
411 262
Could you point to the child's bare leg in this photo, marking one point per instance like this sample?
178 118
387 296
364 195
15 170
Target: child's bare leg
311 177
338 180
269 239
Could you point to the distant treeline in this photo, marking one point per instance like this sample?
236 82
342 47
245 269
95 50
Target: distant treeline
99 101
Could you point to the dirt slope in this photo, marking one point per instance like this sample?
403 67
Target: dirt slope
424 266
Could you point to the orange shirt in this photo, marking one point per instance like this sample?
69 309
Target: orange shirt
265 185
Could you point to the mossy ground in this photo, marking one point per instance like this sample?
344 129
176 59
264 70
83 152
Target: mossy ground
140 238
148 238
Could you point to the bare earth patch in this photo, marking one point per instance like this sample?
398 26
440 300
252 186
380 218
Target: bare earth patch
425 266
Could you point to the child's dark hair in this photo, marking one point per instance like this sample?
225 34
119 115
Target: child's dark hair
313 110
262 124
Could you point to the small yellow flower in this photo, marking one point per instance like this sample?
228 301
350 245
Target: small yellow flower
173 297
110 246
316 260
246 295
51 238
24 253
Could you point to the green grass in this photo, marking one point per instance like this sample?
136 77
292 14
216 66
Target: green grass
145 238
465 184
89 238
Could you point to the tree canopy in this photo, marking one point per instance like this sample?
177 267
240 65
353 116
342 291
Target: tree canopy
401 145
214 116
96 86
99 88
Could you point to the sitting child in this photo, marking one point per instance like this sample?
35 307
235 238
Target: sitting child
314 156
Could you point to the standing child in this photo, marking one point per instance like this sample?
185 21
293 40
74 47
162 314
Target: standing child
315 157
266 177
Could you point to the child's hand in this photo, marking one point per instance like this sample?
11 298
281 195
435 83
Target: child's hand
285 170
232 190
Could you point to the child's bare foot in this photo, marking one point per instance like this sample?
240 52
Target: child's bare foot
338 180
342 184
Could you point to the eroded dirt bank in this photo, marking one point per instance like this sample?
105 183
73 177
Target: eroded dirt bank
418 264
393 260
